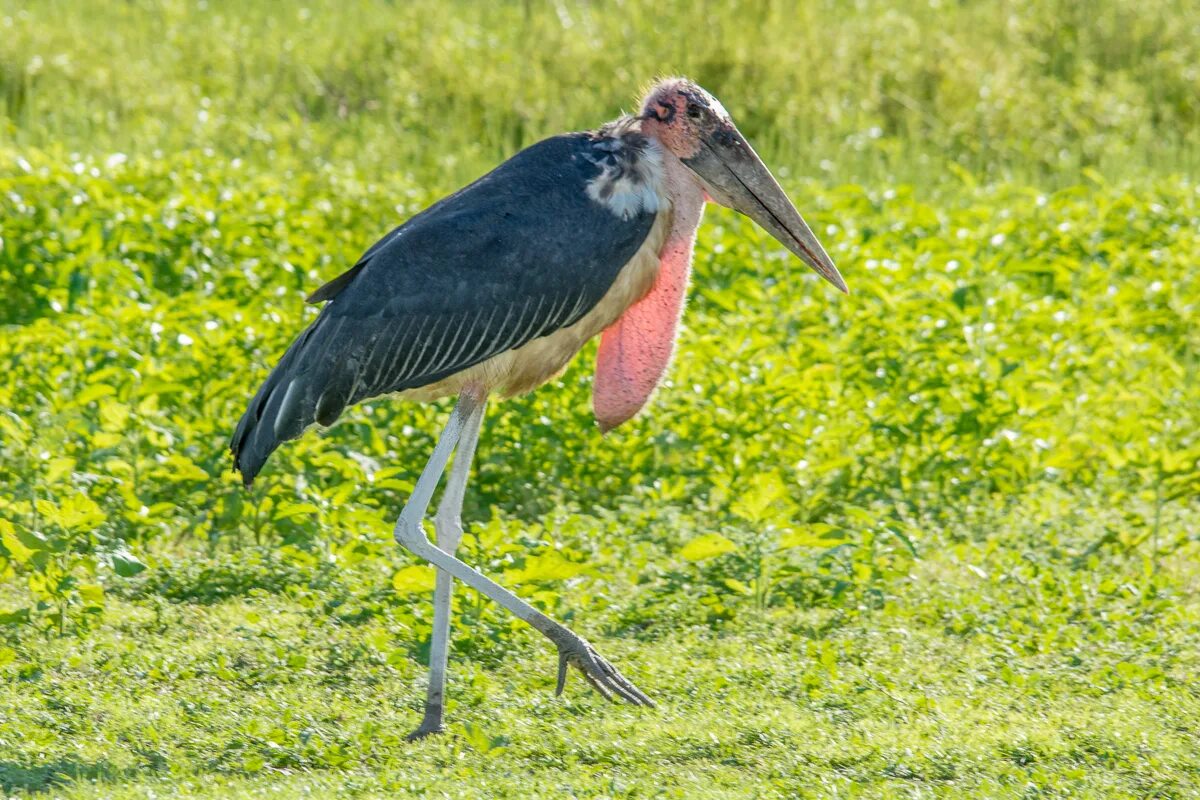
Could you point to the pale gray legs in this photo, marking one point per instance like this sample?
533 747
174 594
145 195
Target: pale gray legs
448 524
573 650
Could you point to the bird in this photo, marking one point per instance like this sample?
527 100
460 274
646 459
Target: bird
492 290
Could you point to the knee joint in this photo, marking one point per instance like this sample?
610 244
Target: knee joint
411 535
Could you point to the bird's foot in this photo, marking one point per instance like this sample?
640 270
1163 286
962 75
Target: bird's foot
429 726
425 729
574 651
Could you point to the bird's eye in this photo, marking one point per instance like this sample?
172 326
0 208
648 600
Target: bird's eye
694 110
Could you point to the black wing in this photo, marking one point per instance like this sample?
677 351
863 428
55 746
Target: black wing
518 254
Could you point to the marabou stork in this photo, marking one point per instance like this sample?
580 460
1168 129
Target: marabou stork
495 288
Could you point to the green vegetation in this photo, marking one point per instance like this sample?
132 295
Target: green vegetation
937 538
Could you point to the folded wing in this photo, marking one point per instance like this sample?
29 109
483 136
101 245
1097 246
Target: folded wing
519 254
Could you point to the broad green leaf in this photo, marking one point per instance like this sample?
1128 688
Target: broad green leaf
289 510
412 579
765 500
126 564
817 534
480 741
75 512
17 617
59 467
549 566
183 468
103 440
113 415
94 392
18 551
707 546
34 540
12 428
738 586
92 594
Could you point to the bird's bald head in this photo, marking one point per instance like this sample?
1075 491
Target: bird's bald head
679 113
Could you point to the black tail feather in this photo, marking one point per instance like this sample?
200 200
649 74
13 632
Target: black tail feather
297 393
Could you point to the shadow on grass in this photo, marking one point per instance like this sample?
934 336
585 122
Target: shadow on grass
18 777
207 581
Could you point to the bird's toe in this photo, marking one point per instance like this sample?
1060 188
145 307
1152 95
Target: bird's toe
598 671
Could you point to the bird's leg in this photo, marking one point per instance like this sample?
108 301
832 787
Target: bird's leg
573 649
448 524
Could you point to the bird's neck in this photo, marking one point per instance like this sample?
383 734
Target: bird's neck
682 194
630 179
636 350
640 174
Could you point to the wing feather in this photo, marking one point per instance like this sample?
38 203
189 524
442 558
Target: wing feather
518 254
472 333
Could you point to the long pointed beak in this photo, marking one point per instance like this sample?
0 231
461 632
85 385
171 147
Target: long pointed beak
736 177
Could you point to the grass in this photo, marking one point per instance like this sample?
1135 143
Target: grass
997 668
935 539
872 93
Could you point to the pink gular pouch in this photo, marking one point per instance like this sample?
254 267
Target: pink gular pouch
635 351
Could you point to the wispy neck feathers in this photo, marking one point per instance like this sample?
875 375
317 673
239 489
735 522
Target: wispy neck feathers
631 175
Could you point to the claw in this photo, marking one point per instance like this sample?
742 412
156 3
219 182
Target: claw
598 686
562 673
603 676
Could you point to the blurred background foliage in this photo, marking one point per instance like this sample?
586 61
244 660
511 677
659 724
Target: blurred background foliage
995 441
845 92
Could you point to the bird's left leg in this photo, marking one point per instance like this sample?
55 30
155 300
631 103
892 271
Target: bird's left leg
573 649
448 524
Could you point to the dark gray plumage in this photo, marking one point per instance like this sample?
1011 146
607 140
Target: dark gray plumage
518 254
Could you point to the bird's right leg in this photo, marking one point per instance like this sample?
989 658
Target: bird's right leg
448 524
573 649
